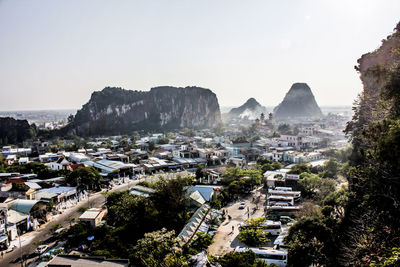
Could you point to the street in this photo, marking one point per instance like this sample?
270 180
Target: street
225 240
45 231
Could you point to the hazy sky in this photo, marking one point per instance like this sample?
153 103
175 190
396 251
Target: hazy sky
54 54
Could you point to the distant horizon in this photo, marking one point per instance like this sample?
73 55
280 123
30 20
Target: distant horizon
225 107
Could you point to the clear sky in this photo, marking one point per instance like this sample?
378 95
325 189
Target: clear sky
54 54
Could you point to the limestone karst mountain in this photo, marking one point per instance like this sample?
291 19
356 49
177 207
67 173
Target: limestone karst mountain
249 110
14 131
117 111
298 102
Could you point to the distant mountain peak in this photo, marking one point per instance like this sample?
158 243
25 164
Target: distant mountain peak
251 109
298 102
252 102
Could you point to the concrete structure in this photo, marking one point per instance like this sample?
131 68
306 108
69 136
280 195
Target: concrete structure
93 216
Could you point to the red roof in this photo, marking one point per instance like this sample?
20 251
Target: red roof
241 141
15 181
76 166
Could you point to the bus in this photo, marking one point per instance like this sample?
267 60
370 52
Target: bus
295 194
282 211
273 199
268 255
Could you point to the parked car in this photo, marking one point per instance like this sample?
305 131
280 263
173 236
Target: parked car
285 219
40 249
59 230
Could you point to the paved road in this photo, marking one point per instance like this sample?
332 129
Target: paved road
45 232
226 239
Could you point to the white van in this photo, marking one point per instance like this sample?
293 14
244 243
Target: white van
270 256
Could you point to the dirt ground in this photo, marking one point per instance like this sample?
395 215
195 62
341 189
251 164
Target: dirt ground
225 240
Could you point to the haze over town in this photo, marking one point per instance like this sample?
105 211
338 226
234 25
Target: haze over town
53 50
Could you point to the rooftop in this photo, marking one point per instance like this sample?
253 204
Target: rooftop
79 261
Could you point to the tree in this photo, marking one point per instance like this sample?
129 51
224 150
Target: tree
284 129
163 140
253 234
241 259
300 168
253 237
170 202
389 261
70 118
268 165
199 243
38 168
123 208
310 241
331 168
3 165
152 146
390 91
338 200
85 176
159 248
315 187
199 173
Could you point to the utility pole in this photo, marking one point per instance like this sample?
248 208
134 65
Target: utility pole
20 247
88 197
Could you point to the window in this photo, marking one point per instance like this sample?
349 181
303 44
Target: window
271 256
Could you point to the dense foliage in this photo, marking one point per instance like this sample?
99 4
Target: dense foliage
254 235
87 177
130 217
158 248
241 259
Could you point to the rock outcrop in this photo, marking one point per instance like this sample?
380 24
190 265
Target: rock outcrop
119 111
14 131
299 102
249 110
374 68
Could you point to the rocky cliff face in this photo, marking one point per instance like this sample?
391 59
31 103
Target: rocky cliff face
249 110
117 111
374 68
14 131
298 102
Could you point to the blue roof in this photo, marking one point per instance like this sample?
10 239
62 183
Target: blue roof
58 190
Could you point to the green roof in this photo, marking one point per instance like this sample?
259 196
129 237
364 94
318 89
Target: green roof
23 205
